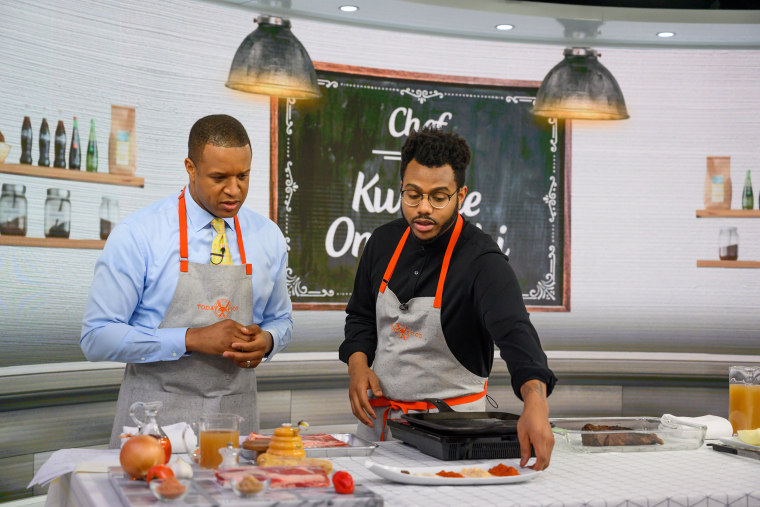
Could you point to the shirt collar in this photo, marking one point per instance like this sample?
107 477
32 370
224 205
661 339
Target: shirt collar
199 217
438 244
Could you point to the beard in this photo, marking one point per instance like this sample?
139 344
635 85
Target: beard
444 228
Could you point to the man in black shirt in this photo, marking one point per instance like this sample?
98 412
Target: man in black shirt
432 295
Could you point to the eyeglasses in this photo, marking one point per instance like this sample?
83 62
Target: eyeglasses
437 199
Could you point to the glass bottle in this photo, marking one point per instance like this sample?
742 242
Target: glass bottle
109 215
75 154
747 197
60 146
149 425
44 159
728 244
92 150
13 210
57 213
26 141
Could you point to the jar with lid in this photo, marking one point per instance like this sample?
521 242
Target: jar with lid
57 213
109 215
728 244
13 210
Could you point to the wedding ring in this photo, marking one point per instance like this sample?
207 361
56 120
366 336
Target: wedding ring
247 364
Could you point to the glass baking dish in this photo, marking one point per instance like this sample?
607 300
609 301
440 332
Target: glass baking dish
625 434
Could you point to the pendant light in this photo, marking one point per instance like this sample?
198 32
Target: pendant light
271 61
580 87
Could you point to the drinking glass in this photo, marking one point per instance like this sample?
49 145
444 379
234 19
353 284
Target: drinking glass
744 397
214 432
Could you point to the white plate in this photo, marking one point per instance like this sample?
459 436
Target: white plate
735 442
394 474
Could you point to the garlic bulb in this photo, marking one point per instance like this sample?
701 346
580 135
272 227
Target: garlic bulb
181 468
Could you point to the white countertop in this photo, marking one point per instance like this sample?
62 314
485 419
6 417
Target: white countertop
684 478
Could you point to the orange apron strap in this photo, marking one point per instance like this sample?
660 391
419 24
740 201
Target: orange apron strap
183 263
406 406
241 247
446 260
394 259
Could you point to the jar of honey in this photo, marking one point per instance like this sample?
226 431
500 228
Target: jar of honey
286 441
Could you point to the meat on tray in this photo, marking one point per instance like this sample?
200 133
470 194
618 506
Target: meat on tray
317 440
602 439
299 476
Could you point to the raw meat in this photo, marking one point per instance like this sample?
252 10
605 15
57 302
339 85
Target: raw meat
301 476
317 440
611 439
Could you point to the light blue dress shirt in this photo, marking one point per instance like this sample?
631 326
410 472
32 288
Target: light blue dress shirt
137 273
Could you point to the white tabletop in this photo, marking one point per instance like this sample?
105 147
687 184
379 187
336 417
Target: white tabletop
674 478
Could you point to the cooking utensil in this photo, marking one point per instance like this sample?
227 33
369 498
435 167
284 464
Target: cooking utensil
448 421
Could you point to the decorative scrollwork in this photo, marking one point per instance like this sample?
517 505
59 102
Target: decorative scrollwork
553 141
546 288
327 83
290 185
288 118
296 288
514 99
421 95
551 198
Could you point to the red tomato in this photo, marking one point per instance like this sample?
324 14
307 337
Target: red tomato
343 482
159 472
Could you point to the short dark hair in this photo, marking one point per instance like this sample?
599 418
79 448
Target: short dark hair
432 147
218 130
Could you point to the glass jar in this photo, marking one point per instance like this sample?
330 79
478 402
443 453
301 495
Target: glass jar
109 215
13 210
57 213
728 244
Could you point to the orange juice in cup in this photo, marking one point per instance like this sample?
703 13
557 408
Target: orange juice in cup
744 397
215 432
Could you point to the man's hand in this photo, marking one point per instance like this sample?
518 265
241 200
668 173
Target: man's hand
533 426
260 344
362 378
230 339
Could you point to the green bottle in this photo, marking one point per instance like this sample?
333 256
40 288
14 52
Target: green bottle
92 150
747 197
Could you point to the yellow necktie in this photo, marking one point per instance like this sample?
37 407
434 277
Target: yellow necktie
220 251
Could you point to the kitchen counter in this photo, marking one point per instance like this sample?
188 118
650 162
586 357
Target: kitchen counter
674 478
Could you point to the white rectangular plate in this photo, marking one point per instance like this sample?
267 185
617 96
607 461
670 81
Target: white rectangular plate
394 474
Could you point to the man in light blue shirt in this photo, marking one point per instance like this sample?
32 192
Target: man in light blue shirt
193 322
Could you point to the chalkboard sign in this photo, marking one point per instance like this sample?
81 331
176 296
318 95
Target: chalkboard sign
335 175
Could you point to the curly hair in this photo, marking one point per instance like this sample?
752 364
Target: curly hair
432 147
218 130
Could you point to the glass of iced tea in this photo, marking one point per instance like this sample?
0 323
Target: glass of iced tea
744 397
214 432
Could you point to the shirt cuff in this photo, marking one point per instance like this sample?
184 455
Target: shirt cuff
275 344
172 342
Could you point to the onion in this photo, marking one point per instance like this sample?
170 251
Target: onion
139 454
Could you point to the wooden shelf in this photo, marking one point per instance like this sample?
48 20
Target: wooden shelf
94 244
728 264
69 174
728 213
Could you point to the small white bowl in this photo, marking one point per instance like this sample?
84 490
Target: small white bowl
234 484
155 483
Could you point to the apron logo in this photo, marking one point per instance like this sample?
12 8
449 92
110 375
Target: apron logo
404 332
222 308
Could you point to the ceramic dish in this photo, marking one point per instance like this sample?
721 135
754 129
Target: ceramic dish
395 474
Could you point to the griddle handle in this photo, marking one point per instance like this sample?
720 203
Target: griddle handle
441 405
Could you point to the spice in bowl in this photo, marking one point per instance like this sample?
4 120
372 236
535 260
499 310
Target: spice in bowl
169 489
248 486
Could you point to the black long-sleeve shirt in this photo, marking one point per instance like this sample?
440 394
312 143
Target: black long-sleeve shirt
482 301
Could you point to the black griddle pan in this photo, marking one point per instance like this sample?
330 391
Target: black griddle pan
449 422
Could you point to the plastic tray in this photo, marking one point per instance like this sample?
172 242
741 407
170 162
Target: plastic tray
569 434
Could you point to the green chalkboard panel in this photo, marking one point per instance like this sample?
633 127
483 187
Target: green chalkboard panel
335 163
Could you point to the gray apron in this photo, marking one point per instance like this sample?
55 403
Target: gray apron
197 383
412 360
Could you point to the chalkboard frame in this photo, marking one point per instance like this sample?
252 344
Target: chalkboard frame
445 79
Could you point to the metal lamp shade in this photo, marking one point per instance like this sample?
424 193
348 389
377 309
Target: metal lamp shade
271 61
580 87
